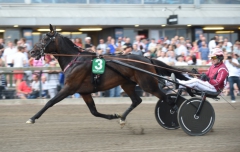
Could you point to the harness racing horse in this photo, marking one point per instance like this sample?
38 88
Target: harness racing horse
77 69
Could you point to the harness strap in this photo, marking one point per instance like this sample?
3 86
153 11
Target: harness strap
71 63
119 73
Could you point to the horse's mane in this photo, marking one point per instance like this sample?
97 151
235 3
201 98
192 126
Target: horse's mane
67 45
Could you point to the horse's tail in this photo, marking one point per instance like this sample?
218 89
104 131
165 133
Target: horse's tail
166 70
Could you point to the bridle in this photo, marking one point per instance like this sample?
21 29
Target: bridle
43 45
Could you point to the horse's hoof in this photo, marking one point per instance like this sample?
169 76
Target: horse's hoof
30 121
122 123
117 115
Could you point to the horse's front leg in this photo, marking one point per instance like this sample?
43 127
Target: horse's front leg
91 105
60 96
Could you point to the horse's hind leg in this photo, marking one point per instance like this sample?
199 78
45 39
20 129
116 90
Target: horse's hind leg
136 100
91 105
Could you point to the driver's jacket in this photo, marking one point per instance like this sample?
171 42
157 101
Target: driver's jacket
217 75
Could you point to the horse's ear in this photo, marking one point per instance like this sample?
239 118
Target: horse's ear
51 28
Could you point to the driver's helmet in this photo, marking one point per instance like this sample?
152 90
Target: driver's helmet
218 53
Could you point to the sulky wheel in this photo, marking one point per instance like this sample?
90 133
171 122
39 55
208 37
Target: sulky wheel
196 125
164 113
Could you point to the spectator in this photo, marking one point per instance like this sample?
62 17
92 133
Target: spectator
170 48
172 58
176 38
164 47
180 61
237 57
234 74
128 41
27 48
88 44
166 40
8 54
159 45
119 48
146 43
220 42
8 58
162 57
199 41
194 61
135 50
35 86
216 39
108 40
102 46
19 61
195 50
227 45
181 39
153 44
24 43
1 47
142 49
127 48
23 90
53 80
3 85
188 44
44 84
2 42
181 49
78 42
120 41
204 52
115 92
112 46
212 45
173 42
139 43
20 43
152 52
125 39
236 48
108 51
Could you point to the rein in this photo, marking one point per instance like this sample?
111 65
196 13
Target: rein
106 56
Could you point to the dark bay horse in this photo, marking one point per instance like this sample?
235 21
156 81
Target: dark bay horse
77 69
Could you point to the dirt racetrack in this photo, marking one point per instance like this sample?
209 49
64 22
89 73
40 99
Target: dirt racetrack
71 128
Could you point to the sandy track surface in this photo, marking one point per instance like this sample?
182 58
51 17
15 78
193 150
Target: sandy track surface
71 128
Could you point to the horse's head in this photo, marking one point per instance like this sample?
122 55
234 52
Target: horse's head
46 45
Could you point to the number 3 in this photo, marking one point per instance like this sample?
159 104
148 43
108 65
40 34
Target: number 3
99 67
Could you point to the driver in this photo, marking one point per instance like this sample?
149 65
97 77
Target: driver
213 80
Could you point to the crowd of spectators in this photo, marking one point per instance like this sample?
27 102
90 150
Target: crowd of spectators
26 83
176 51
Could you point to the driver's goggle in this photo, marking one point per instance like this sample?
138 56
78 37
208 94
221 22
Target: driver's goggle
214 57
